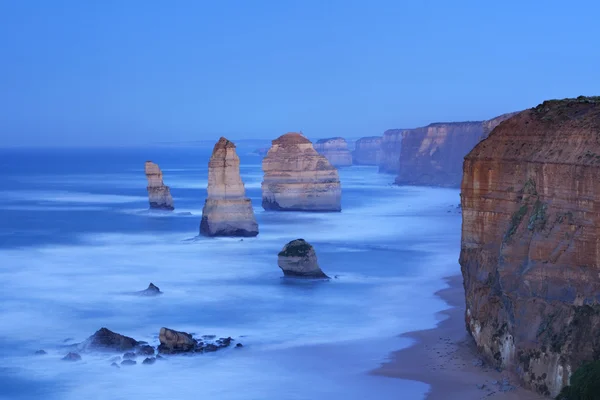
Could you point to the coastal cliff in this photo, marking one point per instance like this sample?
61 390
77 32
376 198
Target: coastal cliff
391 146
530 252
335 150
297 178
159 195
367 151
432 155
227 211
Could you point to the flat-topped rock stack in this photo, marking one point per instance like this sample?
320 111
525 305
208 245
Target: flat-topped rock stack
227 211
159 194
335 150
298 178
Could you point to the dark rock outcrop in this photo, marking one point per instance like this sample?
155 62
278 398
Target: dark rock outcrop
149 361
335 150
172 342
227 211
128 362
151 290
107 340
297 178
530 242
298 259
159 195
40 353
72 357
367 151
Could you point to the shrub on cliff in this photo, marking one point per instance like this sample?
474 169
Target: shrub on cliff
585 384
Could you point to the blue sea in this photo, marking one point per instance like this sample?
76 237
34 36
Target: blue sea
76 238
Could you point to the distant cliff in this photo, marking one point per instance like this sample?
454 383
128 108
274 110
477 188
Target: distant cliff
335 150
391 145
367 151
530 253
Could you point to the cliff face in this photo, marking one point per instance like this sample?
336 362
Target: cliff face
367 151
335 150
433 155
491 124
530 253
159 195
227 211
297 178
391 146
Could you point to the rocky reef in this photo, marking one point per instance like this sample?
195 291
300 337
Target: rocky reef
335 150
298 259
391 146
530 252
367 151
297 178
227 211
159 194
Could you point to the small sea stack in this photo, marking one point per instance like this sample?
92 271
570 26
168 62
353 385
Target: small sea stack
227 211
298 178
159 194
298 259
335 150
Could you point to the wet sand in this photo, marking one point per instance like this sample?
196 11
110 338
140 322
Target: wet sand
446 358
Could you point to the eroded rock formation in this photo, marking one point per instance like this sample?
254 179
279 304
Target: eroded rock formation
159 194
105 339
530 253
367 151
298 259
227 211
335 150
391 146
297 178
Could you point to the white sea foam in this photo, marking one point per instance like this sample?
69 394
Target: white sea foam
67 196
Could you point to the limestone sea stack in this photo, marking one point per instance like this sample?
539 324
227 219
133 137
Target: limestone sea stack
227 211
297 178
159 194
530 252
335 150
367 151
298 259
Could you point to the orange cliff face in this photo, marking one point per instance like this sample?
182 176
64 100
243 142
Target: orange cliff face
530 252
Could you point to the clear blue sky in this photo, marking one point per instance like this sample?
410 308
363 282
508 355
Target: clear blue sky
133 72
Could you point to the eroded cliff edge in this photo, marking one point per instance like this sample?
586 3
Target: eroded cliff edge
530 253
297 178
335 150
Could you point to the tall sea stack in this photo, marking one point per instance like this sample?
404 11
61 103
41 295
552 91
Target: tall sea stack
227 211
297 178
159 195
530 253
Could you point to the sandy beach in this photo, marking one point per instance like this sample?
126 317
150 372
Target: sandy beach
446 358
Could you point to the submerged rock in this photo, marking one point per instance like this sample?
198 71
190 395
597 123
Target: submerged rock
298 259
114 364
159 195
297 178
149 361
151 290
145 350
40 352
107 340
128 362
335 150
72 357
227 211
172 341
129 355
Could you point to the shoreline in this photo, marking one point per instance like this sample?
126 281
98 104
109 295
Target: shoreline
446 358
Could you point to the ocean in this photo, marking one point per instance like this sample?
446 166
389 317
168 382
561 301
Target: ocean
76 238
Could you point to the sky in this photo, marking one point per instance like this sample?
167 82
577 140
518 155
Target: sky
128 72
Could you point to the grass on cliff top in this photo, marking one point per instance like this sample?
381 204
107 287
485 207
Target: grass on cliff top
581 99
585 384
296 248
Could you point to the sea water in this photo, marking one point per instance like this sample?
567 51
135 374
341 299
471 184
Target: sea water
76 238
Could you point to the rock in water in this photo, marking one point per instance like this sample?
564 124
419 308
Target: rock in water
298 259
172 341
105 339
227 211
530 246
159 195
335 150
367 151
151 290
297 178
72 357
